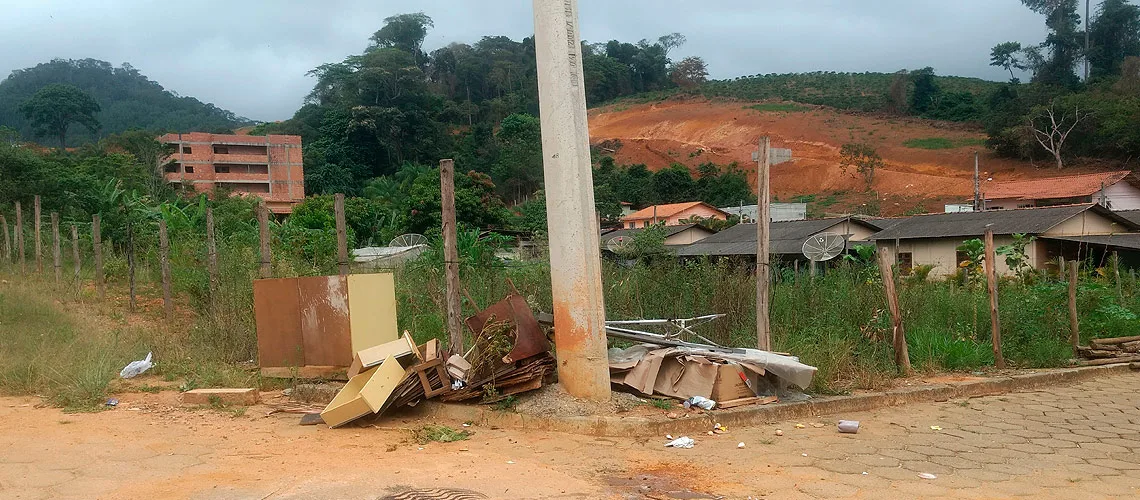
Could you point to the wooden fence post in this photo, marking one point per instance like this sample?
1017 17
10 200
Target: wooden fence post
75 252
7 240
211 256
55 252
39 238
1074 320
20 236
97 246
341 234
131 265
1116 276
263 232
451 255
898 337
991 284
164 264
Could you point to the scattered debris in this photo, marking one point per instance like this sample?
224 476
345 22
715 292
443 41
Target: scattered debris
136 368
927 475
112 402
817 425
849 426
719 429
779 432
801 426
681 442
740 444
312 419
724 405
700 402
935 428
441 434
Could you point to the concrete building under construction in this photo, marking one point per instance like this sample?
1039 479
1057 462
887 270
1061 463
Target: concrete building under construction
269 167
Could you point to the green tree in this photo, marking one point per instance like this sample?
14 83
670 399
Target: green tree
926 91
1007 55
673 185
55 107
863 158
1115 36
404 32
518 171
690 73
1064 42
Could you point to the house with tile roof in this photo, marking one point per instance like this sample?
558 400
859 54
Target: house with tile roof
674 214
1076 232
1113 190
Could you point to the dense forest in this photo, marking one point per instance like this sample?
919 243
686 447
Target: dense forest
376 123
126 99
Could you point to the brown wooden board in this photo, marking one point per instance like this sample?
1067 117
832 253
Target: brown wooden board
276 309
325 329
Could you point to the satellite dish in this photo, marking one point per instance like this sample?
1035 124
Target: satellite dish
408 240
618 244
824 246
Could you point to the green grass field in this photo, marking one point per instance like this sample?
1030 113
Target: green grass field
943 143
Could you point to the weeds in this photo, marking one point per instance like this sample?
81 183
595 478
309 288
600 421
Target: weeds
440 434
663 404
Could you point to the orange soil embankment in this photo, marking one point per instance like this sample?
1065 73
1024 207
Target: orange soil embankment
691 132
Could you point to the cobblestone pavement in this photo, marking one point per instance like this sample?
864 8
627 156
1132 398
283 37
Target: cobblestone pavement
1071 442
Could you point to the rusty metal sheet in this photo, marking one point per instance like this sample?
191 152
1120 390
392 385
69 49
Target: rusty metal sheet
325 328
529 338
276 309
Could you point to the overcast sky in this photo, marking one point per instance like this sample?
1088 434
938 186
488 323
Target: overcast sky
251 56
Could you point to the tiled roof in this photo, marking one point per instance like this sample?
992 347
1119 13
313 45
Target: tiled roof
1069 186
785 238
973 224
665 211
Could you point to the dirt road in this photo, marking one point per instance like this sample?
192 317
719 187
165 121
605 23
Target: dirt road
1071 442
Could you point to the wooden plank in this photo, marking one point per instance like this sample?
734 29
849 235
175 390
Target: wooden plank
1074 319
372 310
898 336
341 234
724 405
1116 340
1109 361
991 287
164 264
378 388
97 246
325 328
450 256
247 396
277 312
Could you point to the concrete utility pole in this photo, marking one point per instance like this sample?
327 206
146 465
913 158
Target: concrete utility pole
763 259
977 186
575 255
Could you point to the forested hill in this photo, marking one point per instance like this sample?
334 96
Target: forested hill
127 98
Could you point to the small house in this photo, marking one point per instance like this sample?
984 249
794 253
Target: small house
674 214
1113 190
674 235
1069 231
786 239
777 212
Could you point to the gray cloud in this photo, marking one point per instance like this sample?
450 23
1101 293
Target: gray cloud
251 56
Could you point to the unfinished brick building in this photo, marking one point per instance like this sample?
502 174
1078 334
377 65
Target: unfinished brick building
269 167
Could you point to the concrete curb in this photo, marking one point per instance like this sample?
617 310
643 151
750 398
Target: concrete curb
614 426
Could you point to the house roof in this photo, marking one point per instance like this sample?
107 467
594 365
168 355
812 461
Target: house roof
1019 221
1127 241
669 231
1132 215
1069 186
666 211
785 238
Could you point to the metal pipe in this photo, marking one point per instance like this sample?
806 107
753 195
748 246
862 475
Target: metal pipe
575 255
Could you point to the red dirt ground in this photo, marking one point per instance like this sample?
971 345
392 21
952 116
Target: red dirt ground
660 134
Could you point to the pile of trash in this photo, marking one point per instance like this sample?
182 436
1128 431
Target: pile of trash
707 377
511 354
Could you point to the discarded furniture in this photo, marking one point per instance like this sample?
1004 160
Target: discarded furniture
313 326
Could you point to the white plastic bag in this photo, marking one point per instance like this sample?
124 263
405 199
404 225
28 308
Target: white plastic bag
136 368
681 442
700 402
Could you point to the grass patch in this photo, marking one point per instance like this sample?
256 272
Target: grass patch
664 404
942 143
779 107
440 434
